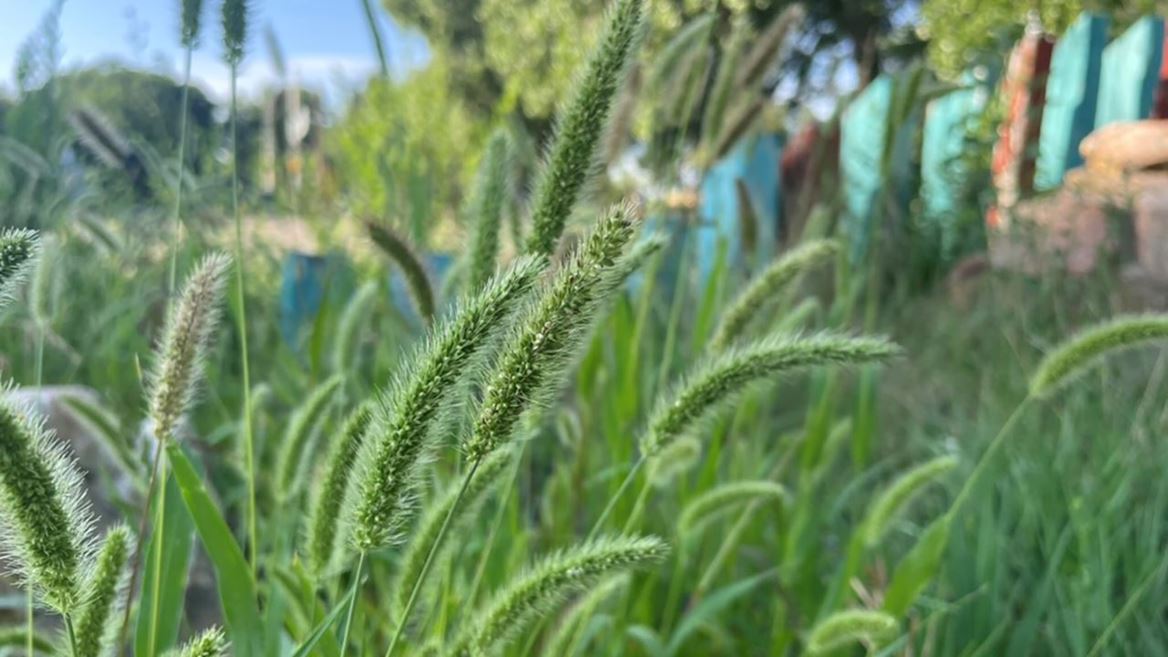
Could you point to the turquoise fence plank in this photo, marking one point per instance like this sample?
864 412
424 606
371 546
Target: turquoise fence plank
1131 72
309 280
862 142
755 161
949 121
1072 92
879 157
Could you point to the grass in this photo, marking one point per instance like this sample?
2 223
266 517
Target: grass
603 448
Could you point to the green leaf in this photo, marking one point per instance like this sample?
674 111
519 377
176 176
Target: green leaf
176 561
322 629
713 605
237 591
918 568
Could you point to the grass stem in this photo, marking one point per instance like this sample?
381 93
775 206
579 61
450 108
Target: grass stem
417 586
357 574
616 496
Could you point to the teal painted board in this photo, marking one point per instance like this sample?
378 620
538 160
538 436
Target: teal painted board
1131 72
879 154
862 142
1072 92
949 121
754 161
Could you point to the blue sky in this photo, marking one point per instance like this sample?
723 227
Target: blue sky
325 42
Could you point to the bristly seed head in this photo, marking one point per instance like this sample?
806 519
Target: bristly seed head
190 326
46 532
399 440
545 586
18 250
330 493
235 15
572 156
1075 355
721 379
487 202
96 631
549 333
192 18
211 643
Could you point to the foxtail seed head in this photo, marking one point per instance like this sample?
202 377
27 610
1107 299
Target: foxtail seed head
898 495
18 250
179 357
720 499
234 18
842 628
96 631
306 418
47 525
721 379
402 253
211 643
545 586
330 493
549 333
571 160
399 436
766 287
487 202
192 17
1077 354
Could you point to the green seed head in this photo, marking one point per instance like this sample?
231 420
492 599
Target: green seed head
18 250
305 420
330 493
899 494
871 628
545 586
402 253
47 524
97 626
723 378
725 497
192 17
487 202
235 15
399 440
178 360
571 160
549 333
1076 355
766 287
211 643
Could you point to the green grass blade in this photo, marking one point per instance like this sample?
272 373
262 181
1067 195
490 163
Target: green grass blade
176 557
237 593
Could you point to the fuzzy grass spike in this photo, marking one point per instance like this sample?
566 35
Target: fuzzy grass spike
330 493
871 628
402 253
899 494
549 334
1076 355
234 19
766 287
211 643
19 249
349 327
387 464
487 202
179 359
96 626
723 498
545 586
47 522
304 421
571 161
192 17
722 379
